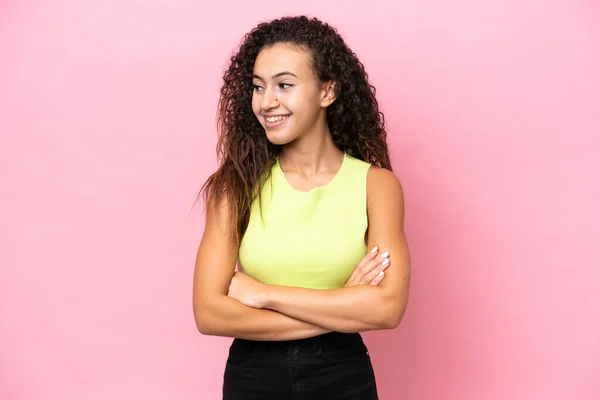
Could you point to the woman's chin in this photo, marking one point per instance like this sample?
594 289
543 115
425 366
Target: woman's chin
278 138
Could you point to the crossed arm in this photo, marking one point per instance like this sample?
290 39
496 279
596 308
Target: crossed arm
284 313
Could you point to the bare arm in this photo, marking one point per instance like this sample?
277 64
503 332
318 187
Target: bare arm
217 314
363 307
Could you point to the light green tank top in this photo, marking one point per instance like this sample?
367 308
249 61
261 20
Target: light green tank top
309 239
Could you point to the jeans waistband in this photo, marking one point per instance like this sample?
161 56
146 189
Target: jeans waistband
331 338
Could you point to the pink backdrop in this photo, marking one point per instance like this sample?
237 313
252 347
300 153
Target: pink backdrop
107 131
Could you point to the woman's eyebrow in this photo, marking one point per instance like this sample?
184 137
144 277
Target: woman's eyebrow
276 75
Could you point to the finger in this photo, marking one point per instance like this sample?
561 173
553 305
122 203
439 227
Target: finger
377 280
371 266
366 259
360 278
383 265
369 256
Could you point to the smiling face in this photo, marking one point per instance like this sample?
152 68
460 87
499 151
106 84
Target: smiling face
288 99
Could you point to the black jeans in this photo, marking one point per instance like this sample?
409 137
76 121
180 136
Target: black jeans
333 366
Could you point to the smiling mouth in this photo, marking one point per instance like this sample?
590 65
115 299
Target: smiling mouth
277 118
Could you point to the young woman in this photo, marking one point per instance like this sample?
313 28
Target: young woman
306 204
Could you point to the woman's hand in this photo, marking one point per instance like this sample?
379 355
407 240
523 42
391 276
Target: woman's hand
370 269
247 290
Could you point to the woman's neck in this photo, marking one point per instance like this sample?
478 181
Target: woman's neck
311 154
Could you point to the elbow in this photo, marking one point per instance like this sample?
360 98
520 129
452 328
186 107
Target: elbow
204 323
393 315
392 322
210 318
204 329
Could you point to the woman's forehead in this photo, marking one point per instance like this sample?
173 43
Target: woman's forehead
279 58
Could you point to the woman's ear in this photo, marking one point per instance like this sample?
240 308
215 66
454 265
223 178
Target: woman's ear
329 93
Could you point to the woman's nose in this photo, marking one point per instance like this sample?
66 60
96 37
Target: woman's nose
269 100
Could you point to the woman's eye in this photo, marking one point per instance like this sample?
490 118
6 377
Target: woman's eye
258 88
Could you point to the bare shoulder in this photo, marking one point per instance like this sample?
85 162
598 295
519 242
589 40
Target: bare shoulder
382 176
217 213
383 186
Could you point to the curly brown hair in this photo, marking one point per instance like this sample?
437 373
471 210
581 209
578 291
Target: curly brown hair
246 156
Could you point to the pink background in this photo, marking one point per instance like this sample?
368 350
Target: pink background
107 131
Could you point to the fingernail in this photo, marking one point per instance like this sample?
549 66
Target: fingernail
380 274
385 262
385 255
375 249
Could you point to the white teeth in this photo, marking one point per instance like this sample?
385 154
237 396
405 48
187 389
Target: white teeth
275 119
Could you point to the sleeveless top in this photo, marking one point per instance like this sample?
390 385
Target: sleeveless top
311 239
